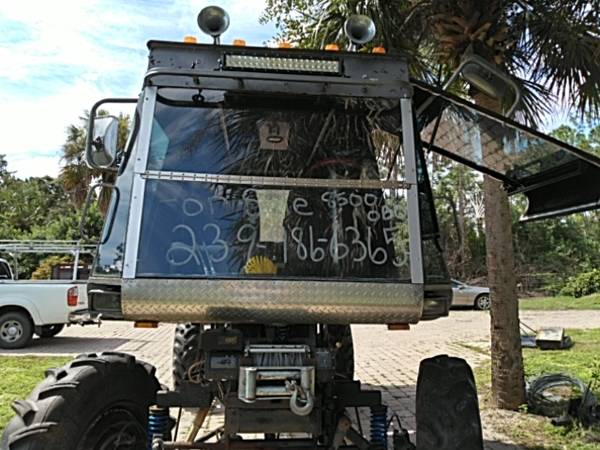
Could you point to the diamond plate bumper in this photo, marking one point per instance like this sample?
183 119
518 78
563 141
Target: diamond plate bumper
270 301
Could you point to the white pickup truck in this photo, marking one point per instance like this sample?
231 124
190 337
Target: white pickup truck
41 307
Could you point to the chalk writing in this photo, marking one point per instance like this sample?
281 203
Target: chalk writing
376 234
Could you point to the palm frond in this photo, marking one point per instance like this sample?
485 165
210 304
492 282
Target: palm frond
75 178
551 46
537 103
563 47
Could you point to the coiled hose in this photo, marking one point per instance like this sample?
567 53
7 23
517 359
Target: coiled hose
543 402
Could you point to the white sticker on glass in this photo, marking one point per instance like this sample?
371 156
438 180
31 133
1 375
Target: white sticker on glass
273 204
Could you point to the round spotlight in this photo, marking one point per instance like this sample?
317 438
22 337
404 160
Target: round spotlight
214 21
360 29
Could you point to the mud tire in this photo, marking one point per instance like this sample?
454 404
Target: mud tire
186 350
97 401
447 406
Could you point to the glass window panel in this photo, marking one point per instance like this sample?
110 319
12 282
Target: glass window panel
109 259
201 229
249 229
490 143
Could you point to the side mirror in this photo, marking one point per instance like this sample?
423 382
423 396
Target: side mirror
489 79
104 137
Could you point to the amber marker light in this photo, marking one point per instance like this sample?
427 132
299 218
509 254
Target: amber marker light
239 42
379 50
285 44
145 324
398 326
332 48
190 40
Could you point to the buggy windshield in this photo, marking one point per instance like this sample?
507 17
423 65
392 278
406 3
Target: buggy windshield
242 185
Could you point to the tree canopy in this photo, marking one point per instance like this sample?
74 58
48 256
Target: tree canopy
550 47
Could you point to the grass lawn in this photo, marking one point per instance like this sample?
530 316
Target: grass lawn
534 432
18 376
561 302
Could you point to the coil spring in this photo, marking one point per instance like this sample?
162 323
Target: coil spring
379 426
158 424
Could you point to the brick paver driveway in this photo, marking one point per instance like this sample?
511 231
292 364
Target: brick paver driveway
387 360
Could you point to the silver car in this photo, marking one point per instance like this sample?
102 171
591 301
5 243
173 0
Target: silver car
466 295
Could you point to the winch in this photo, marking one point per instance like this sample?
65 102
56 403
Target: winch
278 373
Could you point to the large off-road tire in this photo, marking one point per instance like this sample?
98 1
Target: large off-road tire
96 402
16 330
447 406
48 331
338 339
186 350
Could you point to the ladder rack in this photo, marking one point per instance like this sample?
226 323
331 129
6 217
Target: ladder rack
16 248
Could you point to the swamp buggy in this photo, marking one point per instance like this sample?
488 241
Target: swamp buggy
266 199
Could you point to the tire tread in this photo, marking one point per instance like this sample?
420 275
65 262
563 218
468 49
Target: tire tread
186 348
447 410
49 418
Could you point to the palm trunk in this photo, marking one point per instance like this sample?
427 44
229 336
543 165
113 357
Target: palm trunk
508 386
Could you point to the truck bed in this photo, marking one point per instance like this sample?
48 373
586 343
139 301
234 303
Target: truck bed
44 300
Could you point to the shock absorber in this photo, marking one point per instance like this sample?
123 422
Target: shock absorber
379 426
158 423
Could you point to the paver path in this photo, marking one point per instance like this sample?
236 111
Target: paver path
387 360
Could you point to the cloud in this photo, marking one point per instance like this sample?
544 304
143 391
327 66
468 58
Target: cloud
34 128
59 57
40 166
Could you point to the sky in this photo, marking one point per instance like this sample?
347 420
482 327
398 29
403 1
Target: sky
57 58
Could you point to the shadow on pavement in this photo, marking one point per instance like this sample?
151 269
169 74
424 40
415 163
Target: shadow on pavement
495 445
61 345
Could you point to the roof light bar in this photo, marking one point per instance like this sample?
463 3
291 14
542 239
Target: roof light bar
281 64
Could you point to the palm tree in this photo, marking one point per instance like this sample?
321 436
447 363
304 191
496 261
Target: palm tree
3 164
551 48
75 175
4 173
